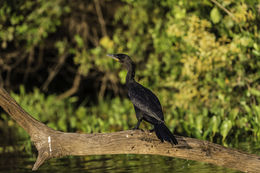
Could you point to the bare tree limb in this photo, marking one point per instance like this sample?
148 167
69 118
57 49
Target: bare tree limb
74 87
29 62
51 143
100 18
224 9
55 70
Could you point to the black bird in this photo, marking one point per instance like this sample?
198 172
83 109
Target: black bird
146 104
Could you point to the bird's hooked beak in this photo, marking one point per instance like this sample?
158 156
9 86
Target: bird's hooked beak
114 56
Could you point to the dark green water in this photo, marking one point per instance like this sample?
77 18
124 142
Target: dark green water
108 163
22 162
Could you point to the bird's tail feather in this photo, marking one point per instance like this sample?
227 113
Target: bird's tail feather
164 134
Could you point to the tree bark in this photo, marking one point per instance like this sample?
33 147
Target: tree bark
51 143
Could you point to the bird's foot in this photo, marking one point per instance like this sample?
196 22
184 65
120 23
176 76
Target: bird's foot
151 131
137 128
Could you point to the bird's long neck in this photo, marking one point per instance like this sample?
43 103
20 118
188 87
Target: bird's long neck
130 72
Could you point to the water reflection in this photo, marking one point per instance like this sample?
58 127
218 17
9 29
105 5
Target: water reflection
14 161
108 163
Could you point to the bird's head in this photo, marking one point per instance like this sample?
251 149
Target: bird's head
127 63
123 59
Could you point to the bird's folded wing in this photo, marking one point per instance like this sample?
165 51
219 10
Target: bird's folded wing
146 101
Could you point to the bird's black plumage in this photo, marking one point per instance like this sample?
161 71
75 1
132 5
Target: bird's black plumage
147 105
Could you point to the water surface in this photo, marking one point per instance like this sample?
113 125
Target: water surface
20 161
108 163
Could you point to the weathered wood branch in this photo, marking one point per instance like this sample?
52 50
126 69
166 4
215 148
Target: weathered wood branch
51 143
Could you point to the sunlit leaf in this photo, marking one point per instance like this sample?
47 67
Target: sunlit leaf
215 15
225 128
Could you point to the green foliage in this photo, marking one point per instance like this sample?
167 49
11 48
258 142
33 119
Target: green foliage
211 59
65 116
215 15
27 25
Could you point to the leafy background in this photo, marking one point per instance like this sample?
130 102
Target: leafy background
202 62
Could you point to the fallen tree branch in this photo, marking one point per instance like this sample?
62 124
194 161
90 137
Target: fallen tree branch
51 143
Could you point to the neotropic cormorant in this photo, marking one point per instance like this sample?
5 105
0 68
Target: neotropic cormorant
146 104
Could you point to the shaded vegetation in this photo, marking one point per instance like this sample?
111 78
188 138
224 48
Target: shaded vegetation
202 63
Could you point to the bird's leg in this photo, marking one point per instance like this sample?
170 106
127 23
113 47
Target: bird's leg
152 130
139 117
137 125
